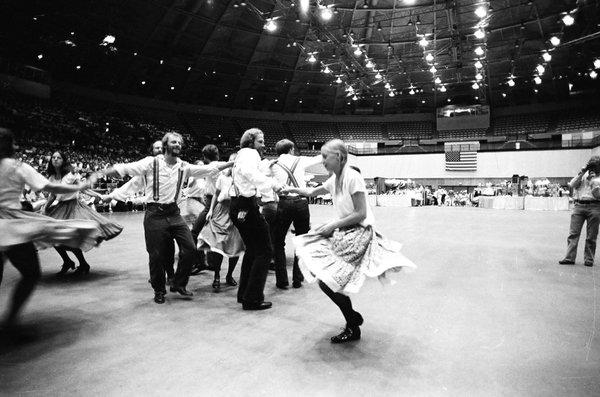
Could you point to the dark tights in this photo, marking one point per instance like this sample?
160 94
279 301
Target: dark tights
217 264
25 259
342 301
62 251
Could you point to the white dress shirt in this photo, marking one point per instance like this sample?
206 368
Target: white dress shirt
299 173
168 175
14 176
248 180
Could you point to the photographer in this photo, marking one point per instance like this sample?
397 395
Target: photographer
586 209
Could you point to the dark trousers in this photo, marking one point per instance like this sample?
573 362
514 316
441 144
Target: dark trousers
589 213
162 226
24 257
255 233
269 211
290 210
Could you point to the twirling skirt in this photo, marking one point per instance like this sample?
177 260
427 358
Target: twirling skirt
19 227
220 234
74 209
344 260
190 208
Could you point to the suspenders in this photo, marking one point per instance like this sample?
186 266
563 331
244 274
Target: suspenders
290 172
155 182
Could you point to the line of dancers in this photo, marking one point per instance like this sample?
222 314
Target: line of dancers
340 254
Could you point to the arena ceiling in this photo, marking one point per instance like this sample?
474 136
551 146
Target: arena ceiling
367 56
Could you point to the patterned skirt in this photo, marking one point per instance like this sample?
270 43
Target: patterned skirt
74 209
344 260
19 227
220 234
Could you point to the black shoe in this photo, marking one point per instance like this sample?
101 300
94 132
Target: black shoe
181 291
282 286
566 262
65 268
159 297
589 264
216 285
348 334
257 306
230 281
82 269
169 281
297 284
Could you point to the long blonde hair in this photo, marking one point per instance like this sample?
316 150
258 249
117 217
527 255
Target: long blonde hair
337 146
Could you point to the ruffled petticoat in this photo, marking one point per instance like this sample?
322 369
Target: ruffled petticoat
220 234
19 227
344 260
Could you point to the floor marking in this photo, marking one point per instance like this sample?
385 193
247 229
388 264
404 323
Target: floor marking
593 334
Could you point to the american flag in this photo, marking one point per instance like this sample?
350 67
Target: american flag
461 160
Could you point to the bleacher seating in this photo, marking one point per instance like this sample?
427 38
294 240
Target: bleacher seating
463 134
578 121
312 131
535 123
353 132
409 130
273 129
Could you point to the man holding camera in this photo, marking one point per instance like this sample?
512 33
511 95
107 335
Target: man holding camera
586 209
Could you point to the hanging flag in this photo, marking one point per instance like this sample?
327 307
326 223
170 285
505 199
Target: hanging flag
461 156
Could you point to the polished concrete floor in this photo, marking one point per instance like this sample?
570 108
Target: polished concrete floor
488 312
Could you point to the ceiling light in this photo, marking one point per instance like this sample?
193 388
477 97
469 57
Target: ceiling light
554 40
438 80
478 64
304 4
78 67
326 70
312 58
475 86
143 82
479 33
597 63
378 76
172 88
370 64
429 57
387 85
593 74
478 77
355 98
503 95
568 20
547 57
357 52
40 56
540 69
423 42
338 80
391 94
443 89
270 26
537 80
326 13
479 51
432 69
481 12
511 83
411 92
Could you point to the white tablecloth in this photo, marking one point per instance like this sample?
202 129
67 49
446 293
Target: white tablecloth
547 203
390 200
501 202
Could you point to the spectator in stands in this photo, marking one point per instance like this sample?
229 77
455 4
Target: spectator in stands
586 209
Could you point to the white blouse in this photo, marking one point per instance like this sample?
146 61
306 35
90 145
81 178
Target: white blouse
352 182
14 176
69 179
247 178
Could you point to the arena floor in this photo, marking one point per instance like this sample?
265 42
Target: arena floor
488 312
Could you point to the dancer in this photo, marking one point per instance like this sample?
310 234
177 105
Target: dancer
346 250
135 185
247 183
163 221
586 209
290 169
219 235
23 231
70 207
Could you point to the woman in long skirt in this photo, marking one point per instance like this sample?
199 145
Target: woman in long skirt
70 207
342 253
220 235
23 232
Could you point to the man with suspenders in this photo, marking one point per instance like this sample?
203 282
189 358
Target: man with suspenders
163 222
290 169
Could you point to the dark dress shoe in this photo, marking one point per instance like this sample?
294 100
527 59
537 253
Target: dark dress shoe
348 335
216 285
566 262
257 306
181 291
589 264
65 268
297 284
230 281
282 286
197 269
159 297
82 270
